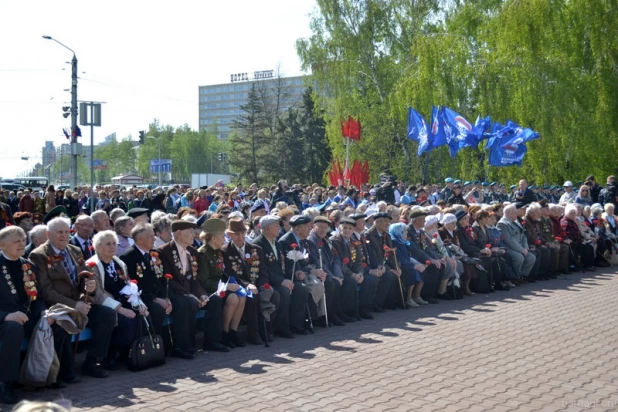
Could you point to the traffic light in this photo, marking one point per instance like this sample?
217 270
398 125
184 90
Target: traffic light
142 136
66 111
220 157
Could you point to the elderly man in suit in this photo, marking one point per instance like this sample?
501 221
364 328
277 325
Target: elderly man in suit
302 272
377 239
180 259
292 310
59 265
84 227
338 288
517 244
247 264
349 251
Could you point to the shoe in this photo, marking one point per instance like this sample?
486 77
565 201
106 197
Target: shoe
366 315
235 339
433 301
286 334
590 269
444 296
215 347
7 395
346 318
412 304
256 340
421 301
110 364
566 272
337 322
72 379
298 331
182 354
92 368
531 279
58 385
523 281
516 282
228 340
378 309
501 286
469 293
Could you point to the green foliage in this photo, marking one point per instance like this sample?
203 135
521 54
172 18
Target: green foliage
548 65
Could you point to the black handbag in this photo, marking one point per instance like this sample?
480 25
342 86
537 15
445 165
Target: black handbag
146 351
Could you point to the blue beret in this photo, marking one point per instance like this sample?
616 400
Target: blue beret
448 180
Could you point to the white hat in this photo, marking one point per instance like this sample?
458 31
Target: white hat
568 183
236 213
268 220
448 218
430 220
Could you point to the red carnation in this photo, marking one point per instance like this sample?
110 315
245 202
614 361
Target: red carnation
222 294
386 248
488 246
294 245
364 264
559 239
320 244
538 242
346 261
32 293
435 235
168 276
267 286
134 281
428 262
91 248
91 264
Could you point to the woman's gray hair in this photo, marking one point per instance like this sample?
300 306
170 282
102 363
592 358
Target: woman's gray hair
55 222
116 214
139 229
311 213
508 208
101 237
608 206
10 231
120 223
156 214
160 223
533 208
37 231
596 211
570 207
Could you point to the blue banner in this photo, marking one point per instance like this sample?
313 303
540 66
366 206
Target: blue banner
162 165
502 154
458 131
520 134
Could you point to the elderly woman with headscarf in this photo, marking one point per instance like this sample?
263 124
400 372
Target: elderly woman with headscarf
581 247
411 269
111 274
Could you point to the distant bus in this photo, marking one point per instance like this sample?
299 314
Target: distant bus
33 182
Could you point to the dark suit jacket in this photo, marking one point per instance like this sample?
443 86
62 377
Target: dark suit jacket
29 248
481 237
330 261
55 285
418 249
466 241
375 247
285 245
151 286
86 253
237 265
344 251
272 260
9 302
182 283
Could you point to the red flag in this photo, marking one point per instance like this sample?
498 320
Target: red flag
351 129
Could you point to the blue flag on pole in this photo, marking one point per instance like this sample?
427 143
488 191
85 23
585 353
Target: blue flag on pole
482 127
437 136
459 132
502 154
520 134
417 127
241 292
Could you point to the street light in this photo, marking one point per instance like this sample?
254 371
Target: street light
159 143
73 111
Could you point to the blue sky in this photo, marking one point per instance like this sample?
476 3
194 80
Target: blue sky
145 59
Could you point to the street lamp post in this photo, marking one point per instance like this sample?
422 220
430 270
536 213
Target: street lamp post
73 112
159 143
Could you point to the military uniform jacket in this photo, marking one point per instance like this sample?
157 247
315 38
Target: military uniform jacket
375 246
184 281
350 254
250 268
14 299
330 260
418 246
210 268
273 261
285 245
148 271
533 231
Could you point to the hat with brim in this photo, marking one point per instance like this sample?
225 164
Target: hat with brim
448 218
55 212
448 180
460 214
269 220
321 219
213 226
201 220
137 212
357 216
568 183
298 220
258 205
182 225
236 225
382 215
419 212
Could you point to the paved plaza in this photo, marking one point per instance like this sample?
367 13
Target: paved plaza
543 347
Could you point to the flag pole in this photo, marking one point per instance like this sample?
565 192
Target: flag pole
347 159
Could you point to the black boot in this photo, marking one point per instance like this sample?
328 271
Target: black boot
92 368
227 340
7 395
236 339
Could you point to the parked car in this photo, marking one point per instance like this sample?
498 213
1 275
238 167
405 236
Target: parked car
11 186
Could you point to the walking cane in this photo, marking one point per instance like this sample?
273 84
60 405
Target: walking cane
265 333
323 284
394 250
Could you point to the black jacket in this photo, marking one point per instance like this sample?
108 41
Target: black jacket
272 260
151 286
17 302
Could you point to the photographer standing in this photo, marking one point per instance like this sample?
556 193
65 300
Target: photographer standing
609 193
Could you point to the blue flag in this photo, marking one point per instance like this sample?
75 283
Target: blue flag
482 127
520 134
241 292
502 154
437 137
497 131
459 132
417 127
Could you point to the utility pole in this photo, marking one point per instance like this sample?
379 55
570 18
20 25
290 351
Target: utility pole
74 122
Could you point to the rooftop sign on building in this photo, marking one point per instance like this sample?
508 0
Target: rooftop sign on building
244 77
